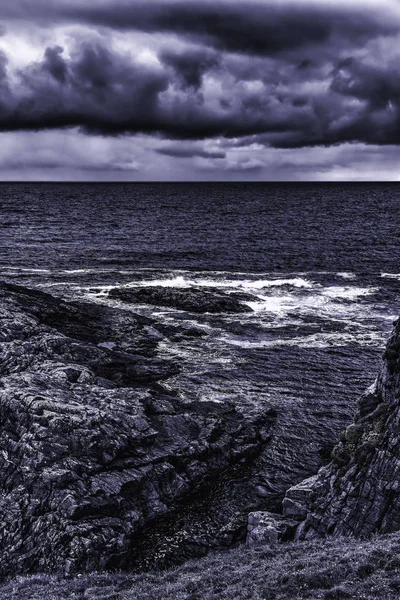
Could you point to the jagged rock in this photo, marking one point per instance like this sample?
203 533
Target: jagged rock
298 499
262 529
191 300
93 448
358 493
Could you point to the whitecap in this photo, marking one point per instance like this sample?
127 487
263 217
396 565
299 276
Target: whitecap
278 305
296 282
317 340
347 293
180 281
23 270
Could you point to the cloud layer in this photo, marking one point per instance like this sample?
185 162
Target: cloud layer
283 75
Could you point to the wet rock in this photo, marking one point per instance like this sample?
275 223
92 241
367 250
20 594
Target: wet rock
188 299
298 499
358 493
94 448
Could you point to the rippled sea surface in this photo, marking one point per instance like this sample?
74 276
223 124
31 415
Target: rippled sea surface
320 263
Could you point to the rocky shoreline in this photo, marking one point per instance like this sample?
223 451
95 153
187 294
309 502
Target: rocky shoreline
358 493
106 465
94 447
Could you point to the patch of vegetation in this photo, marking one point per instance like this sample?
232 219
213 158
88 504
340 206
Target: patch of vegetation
327 570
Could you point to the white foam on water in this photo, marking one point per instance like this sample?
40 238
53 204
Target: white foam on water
181 281
317 340
17 270
290 310
277 301
296 282
281 305
347 293
97 291
277 305
391 275
257 284
346 275
83 271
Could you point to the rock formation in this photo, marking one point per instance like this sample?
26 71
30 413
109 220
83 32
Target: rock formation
358 493
94 447
191 300
262 530
108 461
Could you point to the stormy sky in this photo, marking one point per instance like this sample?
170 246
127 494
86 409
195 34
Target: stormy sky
200 90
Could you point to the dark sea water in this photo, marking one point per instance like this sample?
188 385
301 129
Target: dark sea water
320 261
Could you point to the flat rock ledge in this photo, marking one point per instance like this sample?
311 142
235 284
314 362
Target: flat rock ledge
94 447
189 299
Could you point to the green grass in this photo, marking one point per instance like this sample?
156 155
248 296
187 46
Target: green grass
331 570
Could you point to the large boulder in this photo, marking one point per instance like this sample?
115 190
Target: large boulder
188 299
262 529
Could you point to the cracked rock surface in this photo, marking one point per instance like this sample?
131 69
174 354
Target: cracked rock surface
358 493
94 446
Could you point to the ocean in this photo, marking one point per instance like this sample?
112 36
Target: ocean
318 264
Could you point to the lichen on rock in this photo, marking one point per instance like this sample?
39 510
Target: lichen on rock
358 493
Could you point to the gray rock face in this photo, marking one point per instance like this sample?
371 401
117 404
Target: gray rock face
262 530
191 300
93 446
298 499
358 493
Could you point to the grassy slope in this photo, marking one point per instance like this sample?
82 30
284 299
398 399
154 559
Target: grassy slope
341 568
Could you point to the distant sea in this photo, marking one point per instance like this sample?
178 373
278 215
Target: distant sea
320 261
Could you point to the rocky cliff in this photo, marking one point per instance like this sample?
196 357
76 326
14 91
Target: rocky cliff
358 493
109 459
94 446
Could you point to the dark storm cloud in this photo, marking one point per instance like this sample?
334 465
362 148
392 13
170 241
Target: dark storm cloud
378 85
248 26
190 64
103 91
189 151
95 89
3 67
55 64
302 74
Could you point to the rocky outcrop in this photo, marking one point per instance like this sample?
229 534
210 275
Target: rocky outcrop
94 447
358 493
262 530
191 300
